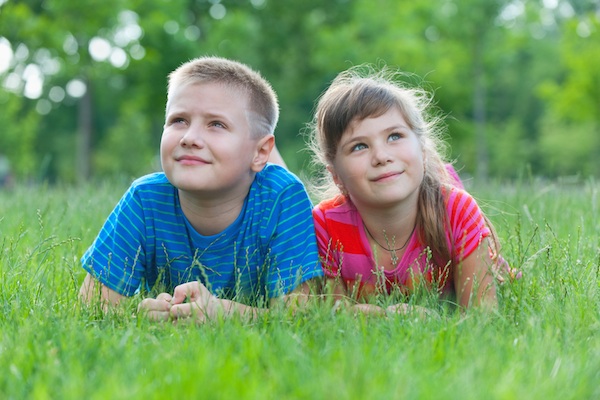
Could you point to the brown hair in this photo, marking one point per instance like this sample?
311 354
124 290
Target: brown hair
361 92
262 99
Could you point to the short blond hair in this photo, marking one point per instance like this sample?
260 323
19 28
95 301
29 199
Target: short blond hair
262 99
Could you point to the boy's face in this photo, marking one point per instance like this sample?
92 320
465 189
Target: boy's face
206 145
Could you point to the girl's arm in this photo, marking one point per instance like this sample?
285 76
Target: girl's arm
474 281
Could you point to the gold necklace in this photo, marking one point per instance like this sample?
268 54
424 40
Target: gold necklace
392 251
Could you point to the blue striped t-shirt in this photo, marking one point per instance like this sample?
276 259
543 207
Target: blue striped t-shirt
266 252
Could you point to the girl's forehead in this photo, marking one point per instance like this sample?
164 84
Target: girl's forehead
390 118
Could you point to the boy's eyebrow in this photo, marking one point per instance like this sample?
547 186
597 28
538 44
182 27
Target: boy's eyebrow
208 114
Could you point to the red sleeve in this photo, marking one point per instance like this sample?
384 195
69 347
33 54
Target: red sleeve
467 224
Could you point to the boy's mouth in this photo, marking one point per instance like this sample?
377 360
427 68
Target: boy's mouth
191 160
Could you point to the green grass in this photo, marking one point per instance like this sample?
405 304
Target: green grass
542 343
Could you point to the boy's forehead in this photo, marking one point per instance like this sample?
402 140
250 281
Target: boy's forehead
225 90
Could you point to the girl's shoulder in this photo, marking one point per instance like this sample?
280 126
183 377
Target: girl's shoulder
461 206
338 204
454 194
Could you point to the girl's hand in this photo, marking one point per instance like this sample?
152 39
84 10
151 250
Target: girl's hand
369 309
403 308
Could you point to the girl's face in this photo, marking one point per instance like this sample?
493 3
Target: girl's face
379 162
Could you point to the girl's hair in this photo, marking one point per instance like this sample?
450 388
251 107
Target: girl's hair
262 100
362 92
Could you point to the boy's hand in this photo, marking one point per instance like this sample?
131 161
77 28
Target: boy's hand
156 309
201 305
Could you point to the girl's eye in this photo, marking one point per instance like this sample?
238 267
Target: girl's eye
358 146
394 137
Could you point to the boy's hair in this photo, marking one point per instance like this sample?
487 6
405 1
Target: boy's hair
362 92
262 100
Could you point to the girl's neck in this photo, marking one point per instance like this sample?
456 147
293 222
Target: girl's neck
398 221
389 234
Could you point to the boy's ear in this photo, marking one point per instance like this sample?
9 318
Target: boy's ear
263 150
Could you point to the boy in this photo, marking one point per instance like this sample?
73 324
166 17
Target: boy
220 226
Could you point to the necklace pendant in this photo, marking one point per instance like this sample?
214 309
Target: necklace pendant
394 259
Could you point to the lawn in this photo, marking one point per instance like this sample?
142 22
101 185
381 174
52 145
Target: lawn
542 343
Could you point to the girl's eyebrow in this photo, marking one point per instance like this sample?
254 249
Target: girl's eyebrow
396 128
352 140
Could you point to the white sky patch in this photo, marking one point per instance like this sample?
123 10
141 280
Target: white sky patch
118 57
12 82
76 88
70 45
171 27
217 11
6 54
21 53
56 94
129 31
192 33
34 81
583 29
43 106
258 3
512 11
565 10
100 49
137 52
551 4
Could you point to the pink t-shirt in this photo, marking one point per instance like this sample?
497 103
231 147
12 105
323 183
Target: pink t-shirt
346 253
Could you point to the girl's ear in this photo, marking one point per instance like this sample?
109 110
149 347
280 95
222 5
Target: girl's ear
336 179
264 146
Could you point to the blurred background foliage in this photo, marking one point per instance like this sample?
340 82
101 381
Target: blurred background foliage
83 83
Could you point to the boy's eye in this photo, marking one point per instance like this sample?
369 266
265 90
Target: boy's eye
176 120
218 124
358 146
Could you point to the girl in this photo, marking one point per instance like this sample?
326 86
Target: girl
401 218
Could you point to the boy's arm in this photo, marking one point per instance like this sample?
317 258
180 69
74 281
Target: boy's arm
91 289
201 305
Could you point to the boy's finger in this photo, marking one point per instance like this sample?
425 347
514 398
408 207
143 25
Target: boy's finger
181 310
184 291
165 297
158 316
148 305
188 310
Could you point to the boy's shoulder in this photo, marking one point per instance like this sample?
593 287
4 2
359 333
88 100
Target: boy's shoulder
155 178
154 182
276 177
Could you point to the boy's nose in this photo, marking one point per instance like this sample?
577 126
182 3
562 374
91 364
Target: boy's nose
192 137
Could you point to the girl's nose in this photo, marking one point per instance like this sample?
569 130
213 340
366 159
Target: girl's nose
380 155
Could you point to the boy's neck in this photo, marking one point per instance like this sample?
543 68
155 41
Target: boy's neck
210 216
